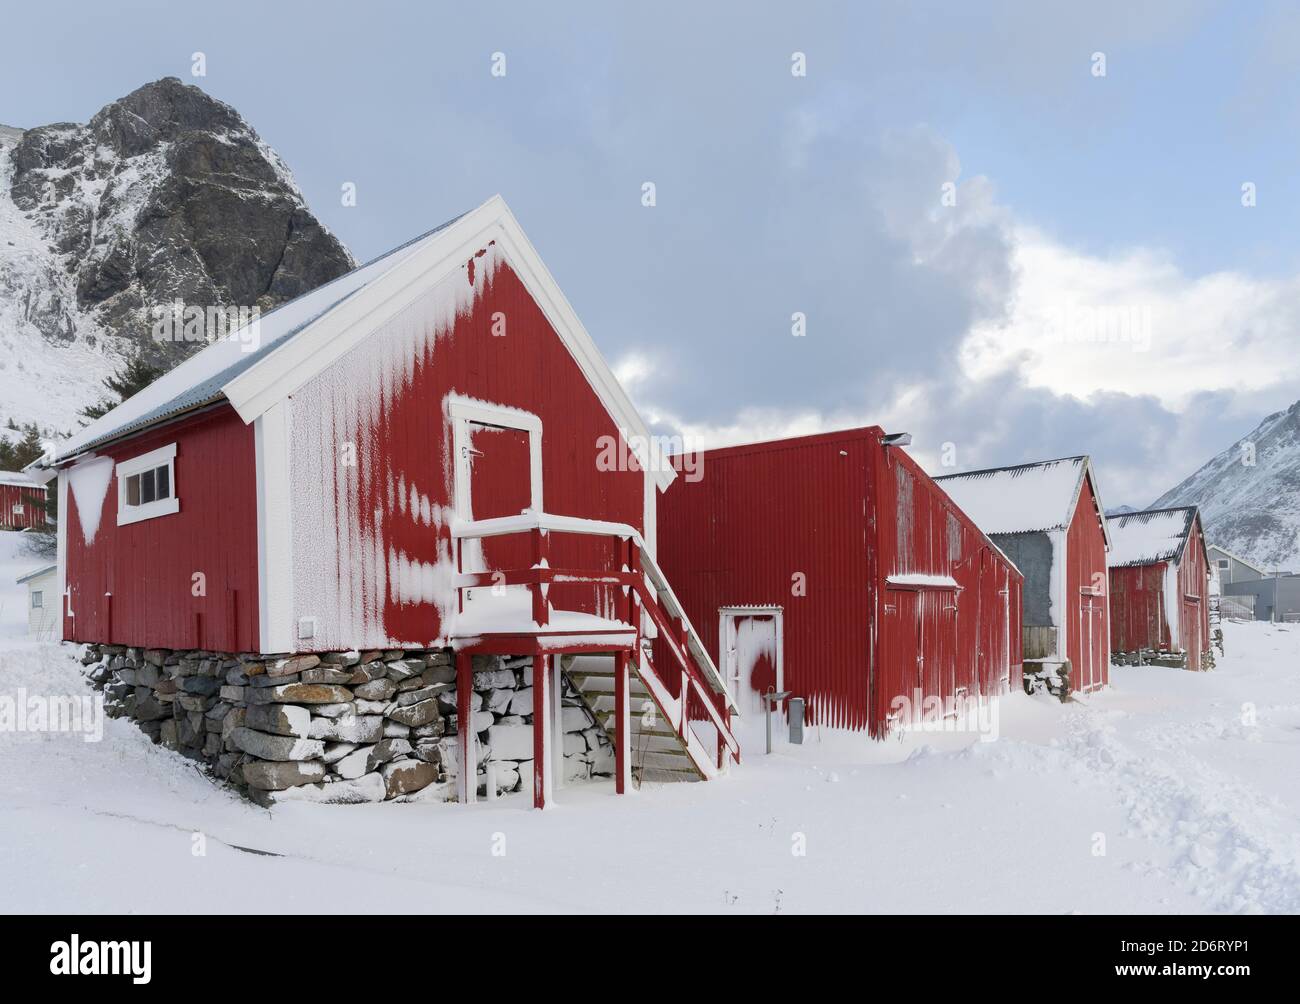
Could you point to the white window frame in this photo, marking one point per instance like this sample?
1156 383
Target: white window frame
38 599
164 456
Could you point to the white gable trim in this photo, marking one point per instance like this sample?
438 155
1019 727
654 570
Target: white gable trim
327 339
1087 473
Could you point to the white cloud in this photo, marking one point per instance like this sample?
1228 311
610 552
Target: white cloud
1134 323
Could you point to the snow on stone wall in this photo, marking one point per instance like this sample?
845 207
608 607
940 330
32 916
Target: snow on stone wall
342 726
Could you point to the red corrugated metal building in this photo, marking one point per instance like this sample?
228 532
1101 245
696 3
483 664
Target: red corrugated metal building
1159 585
1048 518
833 567
22 502
427 452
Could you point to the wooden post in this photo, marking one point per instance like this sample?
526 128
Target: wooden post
108 617
557 718
541 611
468 782
622 726
722 744
541 733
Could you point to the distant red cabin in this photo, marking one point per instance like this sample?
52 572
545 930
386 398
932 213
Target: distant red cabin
834 568
1048 518
22 502
1159 585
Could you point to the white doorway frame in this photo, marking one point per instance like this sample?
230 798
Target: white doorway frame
727 636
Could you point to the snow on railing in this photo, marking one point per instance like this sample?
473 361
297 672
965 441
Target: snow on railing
657 599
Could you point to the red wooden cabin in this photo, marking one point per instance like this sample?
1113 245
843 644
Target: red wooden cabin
1049 520
833 567
412 456
22 502
1159 585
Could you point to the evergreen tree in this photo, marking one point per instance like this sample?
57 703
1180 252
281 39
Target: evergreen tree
129 380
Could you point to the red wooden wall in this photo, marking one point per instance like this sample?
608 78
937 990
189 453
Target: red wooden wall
149 566
823 513
1138 610
31 498
1088 610
345 554
1193 587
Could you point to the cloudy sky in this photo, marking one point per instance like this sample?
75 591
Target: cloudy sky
994 246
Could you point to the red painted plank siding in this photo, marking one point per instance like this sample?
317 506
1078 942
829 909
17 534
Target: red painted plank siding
372 547
32 501
1137 613
1088 632
149 566
829 509
1193 585
1138 604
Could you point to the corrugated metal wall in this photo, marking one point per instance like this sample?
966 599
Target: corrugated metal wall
149 567
816 525
373 557
788 525
946 642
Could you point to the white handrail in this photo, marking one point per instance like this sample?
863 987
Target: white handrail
531 519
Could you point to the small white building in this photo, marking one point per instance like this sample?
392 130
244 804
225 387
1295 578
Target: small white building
43 603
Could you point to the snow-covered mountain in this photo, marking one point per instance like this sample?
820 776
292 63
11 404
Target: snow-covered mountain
1250 494
165 195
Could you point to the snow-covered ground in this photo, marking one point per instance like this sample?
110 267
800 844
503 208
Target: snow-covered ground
1195 808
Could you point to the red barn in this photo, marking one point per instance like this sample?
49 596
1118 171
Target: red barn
22 502
1049 520
1159 587
833 567
426 454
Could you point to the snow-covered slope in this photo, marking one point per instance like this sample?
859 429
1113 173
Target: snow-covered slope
165 195
1250 494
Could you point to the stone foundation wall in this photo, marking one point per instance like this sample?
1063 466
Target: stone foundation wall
339 727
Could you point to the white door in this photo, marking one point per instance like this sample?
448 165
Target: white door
752 657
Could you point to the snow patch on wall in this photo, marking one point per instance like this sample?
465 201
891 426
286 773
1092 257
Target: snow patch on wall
89 481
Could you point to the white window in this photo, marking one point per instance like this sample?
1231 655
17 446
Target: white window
38 599
18 508
146 486
1223 562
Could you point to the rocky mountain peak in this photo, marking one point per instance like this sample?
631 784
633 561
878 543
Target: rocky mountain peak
166 194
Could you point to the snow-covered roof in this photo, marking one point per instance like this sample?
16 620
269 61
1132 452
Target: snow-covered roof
36 574
1142 538
1022 499
302 338
17 479
201 379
